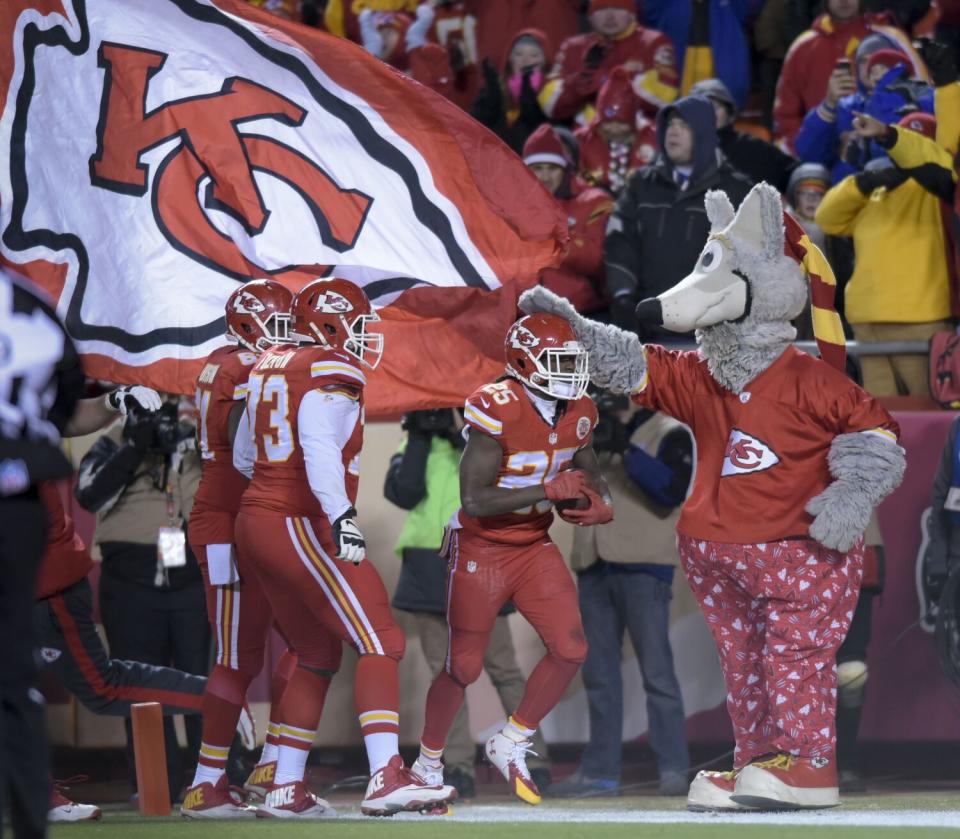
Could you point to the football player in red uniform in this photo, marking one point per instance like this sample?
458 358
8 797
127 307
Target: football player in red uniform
301 435
525 432
257 316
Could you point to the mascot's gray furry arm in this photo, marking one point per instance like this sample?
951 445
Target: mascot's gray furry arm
866 466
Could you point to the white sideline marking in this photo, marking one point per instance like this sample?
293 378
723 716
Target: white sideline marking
822 818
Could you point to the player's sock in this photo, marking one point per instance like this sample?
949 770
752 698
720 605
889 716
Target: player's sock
222 703
546 685
377 697
297 718
517 731
443 701
430 757
282 673
271 743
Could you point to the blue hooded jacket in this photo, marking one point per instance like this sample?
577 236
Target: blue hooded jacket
818 140
728 41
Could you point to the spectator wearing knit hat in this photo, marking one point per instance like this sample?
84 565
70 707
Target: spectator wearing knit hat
885 89
619 139
812 59
507 103
747 153
581 276
584 62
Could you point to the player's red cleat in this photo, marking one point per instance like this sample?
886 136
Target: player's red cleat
294 801
510 757
260 780
785 782
62 809
395 788
214 801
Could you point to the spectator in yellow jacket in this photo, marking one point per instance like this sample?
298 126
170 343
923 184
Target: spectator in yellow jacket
895 211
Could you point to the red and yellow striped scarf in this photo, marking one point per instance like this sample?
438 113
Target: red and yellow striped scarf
827 329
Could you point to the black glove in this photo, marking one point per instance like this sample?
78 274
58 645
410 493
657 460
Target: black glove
138 430
623 311
347 537
873 179
939 60
458 61
855 154
595 55
491 78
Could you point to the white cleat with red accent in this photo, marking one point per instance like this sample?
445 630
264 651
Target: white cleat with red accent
394 788
294 801
510 757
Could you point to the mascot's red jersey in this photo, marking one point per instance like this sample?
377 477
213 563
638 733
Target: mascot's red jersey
534 450
762 449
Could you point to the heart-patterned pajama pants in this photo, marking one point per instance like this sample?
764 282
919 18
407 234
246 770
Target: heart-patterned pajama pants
778 613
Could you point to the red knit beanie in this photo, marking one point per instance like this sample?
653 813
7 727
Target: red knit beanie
626 5
544 146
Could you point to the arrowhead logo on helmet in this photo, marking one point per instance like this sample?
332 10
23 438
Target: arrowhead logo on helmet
332 303
246 303
523 338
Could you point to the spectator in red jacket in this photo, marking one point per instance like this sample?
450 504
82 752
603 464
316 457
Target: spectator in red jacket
585 61
581 277
619 140
812 60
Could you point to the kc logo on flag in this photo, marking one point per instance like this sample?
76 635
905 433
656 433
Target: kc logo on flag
161 151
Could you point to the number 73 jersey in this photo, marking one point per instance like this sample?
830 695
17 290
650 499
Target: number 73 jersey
534 450
276 392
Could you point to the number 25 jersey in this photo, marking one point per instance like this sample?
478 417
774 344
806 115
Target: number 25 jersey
534 451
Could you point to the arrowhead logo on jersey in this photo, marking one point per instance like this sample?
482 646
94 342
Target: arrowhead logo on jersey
746 453
49 654
332 303
523 338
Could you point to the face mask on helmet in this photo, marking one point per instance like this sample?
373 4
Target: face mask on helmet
560 373
255 324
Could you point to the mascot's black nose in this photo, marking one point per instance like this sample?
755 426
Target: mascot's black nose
650 311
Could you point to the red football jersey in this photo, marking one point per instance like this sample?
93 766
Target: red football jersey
65 560
281 379
220 385
762 453
533 452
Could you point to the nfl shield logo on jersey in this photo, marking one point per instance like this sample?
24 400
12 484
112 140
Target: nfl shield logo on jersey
746 453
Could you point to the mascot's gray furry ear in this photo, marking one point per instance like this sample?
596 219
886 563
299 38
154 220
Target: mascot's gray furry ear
759 222
720 211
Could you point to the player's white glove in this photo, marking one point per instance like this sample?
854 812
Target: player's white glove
348 538
129 395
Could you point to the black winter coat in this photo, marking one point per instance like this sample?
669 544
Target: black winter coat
657 229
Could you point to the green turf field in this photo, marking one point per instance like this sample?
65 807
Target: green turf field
907 816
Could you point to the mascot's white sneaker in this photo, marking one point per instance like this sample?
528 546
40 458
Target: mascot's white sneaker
510 757
394 788
786 782
214 801
294 801
713 791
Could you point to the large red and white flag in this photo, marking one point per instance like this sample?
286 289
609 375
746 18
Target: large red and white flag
154 153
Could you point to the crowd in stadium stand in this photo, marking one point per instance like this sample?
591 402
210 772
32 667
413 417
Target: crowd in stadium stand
787 80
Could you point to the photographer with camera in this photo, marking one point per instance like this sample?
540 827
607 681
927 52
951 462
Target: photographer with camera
625 573
140 479
424 478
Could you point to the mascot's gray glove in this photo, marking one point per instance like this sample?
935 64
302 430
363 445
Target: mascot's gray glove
866 467
617 361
